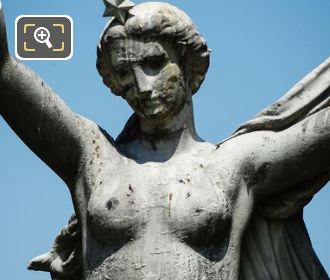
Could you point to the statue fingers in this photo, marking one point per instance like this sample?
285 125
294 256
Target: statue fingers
42 262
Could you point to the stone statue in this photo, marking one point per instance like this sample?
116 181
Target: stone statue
159 202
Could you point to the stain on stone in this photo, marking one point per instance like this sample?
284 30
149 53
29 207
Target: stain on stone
97 151
113 203
170 197
304 126
199 210
261 174
130 188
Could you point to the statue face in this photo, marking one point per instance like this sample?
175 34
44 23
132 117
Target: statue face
149 77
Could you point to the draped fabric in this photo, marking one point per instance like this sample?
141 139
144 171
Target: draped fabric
279 249
307 97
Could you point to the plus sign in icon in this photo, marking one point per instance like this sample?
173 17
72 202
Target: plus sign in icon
44 37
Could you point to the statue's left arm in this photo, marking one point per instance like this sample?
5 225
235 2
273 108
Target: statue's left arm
291 137
292 157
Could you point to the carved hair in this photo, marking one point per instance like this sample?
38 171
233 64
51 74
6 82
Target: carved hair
151 21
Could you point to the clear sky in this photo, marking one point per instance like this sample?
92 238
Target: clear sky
260 50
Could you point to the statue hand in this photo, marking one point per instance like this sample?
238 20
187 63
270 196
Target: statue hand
41 263
4 54
49 262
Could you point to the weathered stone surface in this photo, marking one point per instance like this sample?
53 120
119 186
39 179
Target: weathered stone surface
159 202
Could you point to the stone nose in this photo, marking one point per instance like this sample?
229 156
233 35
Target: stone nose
144 82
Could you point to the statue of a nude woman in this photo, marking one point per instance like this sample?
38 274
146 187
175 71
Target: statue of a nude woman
159 202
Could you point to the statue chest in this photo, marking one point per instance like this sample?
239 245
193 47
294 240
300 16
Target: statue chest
191 204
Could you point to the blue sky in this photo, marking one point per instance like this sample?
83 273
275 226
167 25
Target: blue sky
260 49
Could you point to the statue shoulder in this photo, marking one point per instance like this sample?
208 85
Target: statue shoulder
97 142
246 147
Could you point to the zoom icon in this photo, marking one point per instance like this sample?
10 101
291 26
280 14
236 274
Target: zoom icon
44 37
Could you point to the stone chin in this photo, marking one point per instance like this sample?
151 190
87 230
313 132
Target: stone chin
158 115
158 110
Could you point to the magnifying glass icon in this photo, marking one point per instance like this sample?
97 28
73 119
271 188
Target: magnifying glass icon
42 35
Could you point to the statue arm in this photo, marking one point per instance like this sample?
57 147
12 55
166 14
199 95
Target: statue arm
294 156
289 148
4 54
37 115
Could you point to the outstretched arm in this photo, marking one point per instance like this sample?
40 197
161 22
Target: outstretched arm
3 38
37 115
295 156
291 138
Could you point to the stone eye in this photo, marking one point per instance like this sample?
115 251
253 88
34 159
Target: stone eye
154 62
122 72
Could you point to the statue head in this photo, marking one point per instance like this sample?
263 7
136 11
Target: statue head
157 48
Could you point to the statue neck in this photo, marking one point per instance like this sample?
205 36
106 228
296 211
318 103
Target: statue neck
162 140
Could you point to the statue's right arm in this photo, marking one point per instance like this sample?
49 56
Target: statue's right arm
38 116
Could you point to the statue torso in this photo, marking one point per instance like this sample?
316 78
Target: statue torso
169 220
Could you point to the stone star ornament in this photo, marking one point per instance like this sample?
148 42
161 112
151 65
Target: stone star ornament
118 9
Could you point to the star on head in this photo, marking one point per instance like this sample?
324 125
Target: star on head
118 9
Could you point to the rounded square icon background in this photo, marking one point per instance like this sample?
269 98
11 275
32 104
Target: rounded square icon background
61 38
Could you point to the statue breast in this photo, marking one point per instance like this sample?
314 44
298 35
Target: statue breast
189 204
